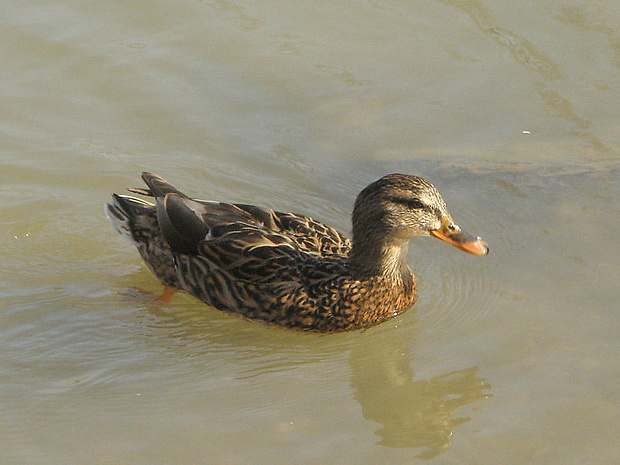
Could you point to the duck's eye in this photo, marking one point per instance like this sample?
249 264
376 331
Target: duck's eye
409 202
414 203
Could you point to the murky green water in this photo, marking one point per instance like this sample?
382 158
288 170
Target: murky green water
512 109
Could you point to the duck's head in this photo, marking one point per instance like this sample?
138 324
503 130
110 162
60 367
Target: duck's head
398 207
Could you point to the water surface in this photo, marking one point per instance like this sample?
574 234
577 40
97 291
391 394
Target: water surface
510 108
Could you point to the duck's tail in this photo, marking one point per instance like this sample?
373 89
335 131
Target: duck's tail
157 186
134 218
123 212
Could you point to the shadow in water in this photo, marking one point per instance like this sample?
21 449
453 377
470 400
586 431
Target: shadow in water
412 412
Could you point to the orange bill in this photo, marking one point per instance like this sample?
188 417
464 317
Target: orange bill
462 240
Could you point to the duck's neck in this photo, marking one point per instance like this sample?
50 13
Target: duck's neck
381 258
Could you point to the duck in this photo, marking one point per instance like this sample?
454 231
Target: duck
288 269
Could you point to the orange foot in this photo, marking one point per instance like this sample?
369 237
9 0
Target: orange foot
166 295
142 296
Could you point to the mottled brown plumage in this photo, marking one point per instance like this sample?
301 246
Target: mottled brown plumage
286 268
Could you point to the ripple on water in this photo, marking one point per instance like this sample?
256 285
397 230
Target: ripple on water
456 292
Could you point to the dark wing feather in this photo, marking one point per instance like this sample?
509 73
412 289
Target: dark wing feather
181 217
186 222
254 255
313 236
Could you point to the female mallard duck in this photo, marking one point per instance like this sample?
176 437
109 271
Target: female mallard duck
286 268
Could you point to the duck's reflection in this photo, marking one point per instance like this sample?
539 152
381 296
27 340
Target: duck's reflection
412 410
416 413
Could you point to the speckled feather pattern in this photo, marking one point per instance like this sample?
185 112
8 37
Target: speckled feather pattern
282 268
